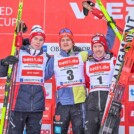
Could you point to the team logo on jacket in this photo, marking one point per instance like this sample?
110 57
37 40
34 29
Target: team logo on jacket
68 62
57 117
107 56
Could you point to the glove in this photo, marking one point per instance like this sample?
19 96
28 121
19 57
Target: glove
24 29
26 42
88 4
9 60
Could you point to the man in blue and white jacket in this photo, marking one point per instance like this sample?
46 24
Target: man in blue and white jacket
29 93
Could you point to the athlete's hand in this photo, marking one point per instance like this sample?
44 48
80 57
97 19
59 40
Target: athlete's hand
9 60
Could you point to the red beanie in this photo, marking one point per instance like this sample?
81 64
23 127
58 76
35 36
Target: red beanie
37 31
99 38
66 32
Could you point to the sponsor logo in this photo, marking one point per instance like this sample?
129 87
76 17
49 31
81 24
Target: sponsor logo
99 68
120 58
53 48
131 92
57 129
116 14
57 117
32 60
68 62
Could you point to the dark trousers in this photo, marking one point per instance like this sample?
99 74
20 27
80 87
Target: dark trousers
94 112
30 120
65 114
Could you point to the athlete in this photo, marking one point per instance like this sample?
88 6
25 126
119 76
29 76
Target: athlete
29 93
99 70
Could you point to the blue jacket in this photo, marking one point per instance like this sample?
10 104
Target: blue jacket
27 97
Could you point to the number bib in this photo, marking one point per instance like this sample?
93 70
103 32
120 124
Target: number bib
100 74
31 68
69 70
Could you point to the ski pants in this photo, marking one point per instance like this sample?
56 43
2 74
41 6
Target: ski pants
30 120
66 113
95 105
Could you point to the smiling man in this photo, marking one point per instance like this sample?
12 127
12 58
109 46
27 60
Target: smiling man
99 71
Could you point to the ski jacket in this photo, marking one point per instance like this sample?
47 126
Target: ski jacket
72 91
29 92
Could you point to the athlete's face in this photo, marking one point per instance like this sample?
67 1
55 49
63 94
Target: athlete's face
37 42
98 50
66 43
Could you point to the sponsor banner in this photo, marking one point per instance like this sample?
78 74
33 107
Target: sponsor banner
131 93
131 114
54 49
48 88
